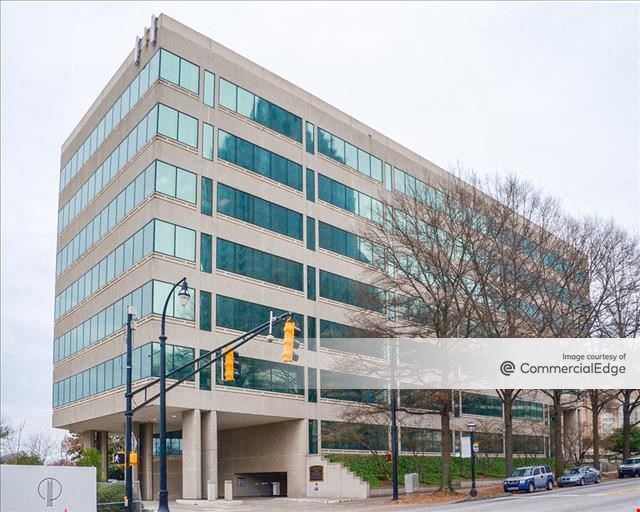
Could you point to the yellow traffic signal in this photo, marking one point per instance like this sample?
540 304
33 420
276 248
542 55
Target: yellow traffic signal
289 341
231 366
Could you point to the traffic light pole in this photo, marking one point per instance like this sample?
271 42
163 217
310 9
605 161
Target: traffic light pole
128 416
204 361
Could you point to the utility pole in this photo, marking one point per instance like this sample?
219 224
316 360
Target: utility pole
128 473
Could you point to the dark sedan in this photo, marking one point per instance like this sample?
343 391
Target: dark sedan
579 476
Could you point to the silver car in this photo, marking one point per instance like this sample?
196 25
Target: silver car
579 476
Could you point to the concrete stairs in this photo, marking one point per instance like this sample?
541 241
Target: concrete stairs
338 481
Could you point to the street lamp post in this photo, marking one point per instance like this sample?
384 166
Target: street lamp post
184 296
128 412
474 492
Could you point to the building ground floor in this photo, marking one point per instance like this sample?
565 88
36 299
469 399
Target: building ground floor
271 453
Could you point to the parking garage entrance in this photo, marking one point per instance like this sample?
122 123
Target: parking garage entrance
260 484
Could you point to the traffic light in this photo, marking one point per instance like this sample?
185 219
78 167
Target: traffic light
231 366
289 341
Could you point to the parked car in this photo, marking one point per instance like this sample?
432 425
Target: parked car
580 476
630 467
529 478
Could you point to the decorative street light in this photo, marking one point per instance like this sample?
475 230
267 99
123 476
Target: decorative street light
183 296
474 492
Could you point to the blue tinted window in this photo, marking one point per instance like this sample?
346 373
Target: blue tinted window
260 265
311 282
260 110
259 160
311 185
309 137
207 141
209 88
349 291
311 233
207 196
259 212
349 155
206 249
349 199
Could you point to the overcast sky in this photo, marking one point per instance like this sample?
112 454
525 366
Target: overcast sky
548 91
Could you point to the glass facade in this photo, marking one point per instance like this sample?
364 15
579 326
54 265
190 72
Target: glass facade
345 243
179 71
205 311
207 197
311 233
259 160
311 282
347 154
334 386
112 373
208 95
311 185
522 409
241 315
266 376
420 440
349 291
128 99
349 199
259 212
313 436
146 299
177 126
106 172
338 435
158 177
207 141
245 261
309 141
528 445
173 443
205 371
206 252
481 405
156 236
260 110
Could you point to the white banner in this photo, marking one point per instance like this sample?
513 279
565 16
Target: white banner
481 363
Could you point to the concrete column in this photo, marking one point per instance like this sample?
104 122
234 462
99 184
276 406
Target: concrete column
103 448
191 455
88 439
145 449
209 451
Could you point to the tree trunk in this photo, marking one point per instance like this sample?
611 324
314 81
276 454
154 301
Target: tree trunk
447 446
626 425
595 413
556 419
508 432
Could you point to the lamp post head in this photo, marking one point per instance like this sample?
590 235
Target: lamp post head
471 426
184 294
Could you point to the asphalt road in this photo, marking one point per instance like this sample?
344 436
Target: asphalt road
610 496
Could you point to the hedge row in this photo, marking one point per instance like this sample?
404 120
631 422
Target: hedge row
375 470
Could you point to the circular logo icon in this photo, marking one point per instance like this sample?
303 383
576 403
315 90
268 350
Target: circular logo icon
507 368
49 489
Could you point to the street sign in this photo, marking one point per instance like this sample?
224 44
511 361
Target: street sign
476 447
